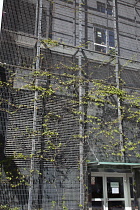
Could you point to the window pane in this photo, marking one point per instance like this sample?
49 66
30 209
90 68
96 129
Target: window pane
116 205
115 187
131 187
133 205
111 39
97 205
100 36
97 187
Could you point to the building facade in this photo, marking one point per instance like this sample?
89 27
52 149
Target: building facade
70 136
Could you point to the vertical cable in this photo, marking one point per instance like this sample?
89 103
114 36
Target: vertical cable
117 71
81 145
37 66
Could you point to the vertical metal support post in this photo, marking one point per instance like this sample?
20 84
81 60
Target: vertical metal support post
107 41
1 9
81 131
37 66
117 71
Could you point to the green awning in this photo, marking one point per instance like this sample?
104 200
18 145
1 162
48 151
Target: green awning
114 164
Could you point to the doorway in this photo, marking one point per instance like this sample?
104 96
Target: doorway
111 191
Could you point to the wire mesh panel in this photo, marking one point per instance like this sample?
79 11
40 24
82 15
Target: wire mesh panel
41 79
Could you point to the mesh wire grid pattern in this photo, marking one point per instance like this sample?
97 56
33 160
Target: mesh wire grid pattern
56 176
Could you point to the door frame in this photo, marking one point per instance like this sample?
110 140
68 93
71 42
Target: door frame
126 184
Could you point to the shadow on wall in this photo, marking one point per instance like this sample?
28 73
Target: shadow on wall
15 181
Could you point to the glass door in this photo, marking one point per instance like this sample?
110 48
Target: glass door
111 191
97 192
115 198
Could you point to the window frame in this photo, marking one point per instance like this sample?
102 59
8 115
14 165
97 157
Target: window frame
126 185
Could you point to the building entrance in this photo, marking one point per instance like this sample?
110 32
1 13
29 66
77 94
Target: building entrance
111 191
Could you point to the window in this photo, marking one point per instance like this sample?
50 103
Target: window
100 40
109 9
102 7
111 38
104 40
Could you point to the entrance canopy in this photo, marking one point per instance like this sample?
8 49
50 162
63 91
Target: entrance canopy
96 163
